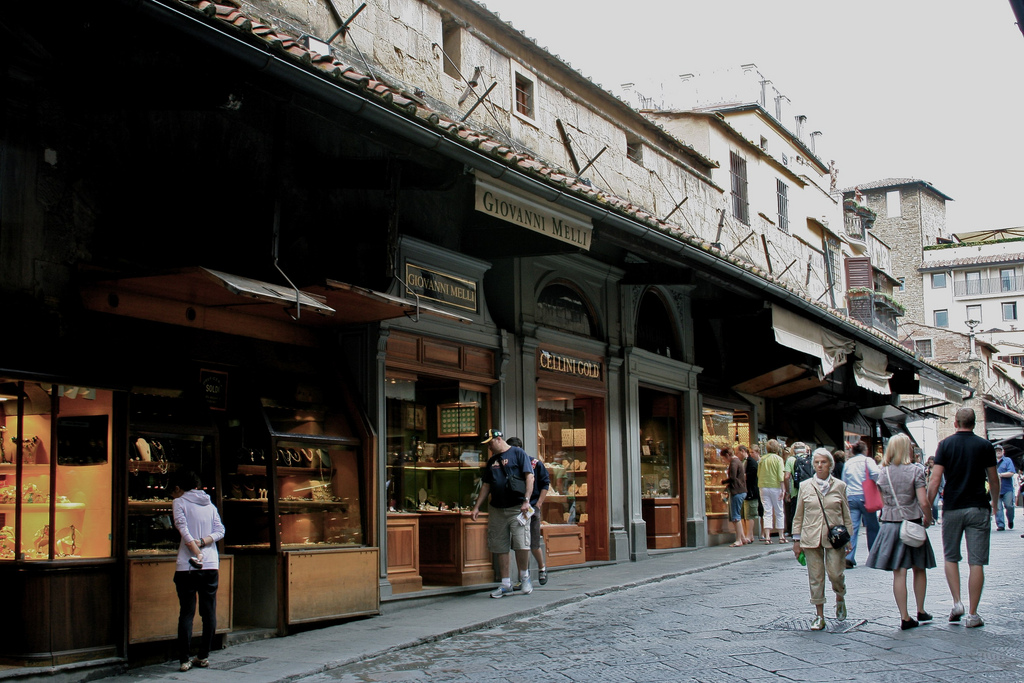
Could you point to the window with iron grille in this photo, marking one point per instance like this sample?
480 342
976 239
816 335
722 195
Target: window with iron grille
524 95
923 347
782 190
740 204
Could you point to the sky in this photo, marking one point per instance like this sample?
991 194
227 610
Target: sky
932 90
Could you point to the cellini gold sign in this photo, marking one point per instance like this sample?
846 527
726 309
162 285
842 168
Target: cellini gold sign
441 287
567 365
543 217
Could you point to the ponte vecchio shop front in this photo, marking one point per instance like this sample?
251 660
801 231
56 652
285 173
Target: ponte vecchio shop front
571 429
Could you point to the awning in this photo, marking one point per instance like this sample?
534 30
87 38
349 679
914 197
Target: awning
855 423
870 371
361 305
1008 412
799 333
936 387
209 299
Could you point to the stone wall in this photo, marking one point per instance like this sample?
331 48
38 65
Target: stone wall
401 42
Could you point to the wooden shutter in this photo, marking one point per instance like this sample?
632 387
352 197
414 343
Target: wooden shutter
858 272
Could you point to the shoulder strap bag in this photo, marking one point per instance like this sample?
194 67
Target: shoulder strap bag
514 480
838 534
872 496
911 533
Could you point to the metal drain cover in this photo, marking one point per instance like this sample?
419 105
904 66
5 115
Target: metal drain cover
804 624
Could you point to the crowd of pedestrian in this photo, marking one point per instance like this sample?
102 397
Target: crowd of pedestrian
820 501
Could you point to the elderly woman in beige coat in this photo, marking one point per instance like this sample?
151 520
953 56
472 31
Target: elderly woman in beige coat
821 503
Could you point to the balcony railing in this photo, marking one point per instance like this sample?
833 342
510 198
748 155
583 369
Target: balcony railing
988 285
874 309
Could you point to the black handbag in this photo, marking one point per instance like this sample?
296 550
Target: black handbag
838 534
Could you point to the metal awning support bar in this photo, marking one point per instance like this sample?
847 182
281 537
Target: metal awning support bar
415 296
344 25
740 244
479 99
591 162
677 207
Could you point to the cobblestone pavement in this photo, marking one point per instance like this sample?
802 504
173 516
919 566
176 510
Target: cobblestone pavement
746 621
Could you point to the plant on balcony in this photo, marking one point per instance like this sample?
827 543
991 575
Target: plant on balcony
865 292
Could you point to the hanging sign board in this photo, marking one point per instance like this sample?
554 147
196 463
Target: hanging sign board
504 202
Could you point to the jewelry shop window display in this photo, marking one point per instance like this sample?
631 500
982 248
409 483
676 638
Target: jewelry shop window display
165 435
312 463
55 471
659 468
434 467
433 450
721 428
562 445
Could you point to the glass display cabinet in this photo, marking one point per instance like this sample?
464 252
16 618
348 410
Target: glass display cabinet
562 446
434 467
296 498
659 468
167 433
722 427
55 474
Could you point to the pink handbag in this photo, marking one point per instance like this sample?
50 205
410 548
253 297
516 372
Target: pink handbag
872 496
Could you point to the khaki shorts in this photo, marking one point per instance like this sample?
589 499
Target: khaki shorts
504 533
750 508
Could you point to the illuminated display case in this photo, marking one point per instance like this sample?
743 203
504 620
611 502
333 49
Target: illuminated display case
301 487
55 472
434 467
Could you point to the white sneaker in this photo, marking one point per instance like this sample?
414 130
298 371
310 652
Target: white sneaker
527 586
501 591
958 611
973 621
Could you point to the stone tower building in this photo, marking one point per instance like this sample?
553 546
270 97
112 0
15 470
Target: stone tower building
911 215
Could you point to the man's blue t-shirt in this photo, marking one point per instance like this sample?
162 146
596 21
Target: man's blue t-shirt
1005 483
514 459
541 479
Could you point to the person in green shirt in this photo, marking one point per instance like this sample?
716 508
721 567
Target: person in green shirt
771 478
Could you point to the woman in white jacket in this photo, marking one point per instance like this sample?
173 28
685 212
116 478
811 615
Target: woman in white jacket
197 572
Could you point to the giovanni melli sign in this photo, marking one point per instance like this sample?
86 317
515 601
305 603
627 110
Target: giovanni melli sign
501 201
562 364
437 286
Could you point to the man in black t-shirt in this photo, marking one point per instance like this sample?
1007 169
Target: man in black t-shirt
967 461
504 531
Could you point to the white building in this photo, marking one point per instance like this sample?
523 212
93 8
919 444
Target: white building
976 286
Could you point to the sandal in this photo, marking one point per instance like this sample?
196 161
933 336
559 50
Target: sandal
768 541
738 544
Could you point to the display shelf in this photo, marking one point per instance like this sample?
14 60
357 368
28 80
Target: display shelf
149 505
558 497
159 467
28 470
306 505
41 507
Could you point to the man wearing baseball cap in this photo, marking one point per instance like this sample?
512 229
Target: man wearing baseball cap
506 465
